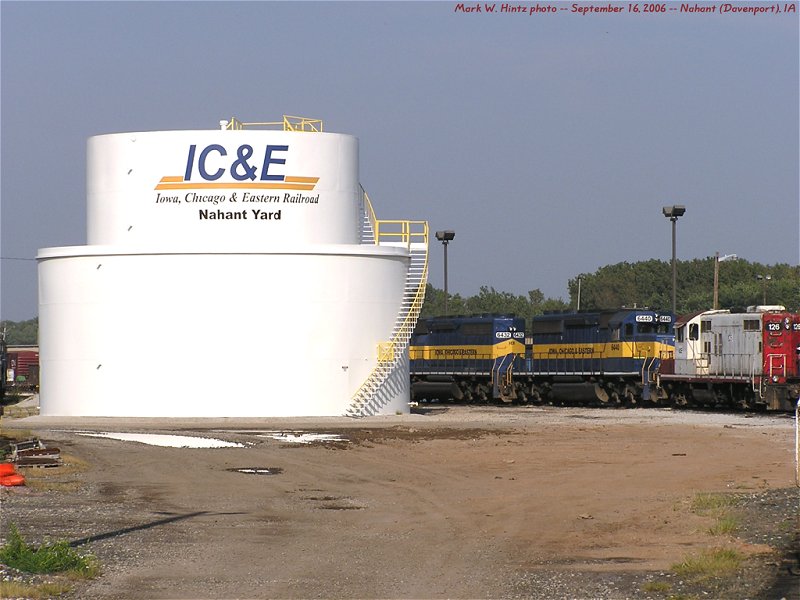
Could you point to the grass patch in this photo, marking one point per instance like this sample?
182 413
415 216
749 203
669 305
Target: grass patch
714 504
710 564
719 506
56 479
20 412
14 435
44 485
13 589
57 557
656 586
725 525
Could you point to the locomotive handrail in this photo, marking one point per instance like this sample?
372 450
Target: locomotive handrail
797 444
556 365
478 363
740 365
646 380
779 358
505 376
760 388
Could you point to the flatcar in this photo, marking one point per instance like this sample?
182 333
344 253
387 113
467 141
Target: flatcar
469 358
608 356
726 359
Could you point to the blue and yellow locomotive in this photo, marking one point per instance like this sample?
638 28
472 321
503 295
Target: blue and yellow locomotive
598 356
466 358
608 356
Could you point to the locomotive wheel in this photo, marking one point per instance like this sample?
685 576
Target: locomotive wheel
679 400
630 397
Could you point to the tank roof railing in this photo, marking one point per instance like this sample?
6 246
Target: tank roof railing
289 123
401 233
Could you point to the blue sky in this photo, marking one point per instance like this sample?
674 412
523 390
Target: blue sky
549 143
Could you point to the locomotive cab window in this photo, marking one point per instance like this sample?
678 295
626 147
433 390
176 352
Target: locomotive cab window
663 328
679 334
628 330
752 325
694 332
648 328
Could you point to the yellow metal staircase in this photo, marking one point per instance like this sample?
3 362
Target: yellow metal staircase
374 393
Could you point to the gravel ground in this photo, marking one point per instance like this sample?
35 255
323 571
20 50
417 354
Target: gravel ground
452 502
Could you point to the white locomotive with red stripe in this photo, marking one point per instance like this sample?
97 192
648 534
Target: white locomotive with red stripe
735 359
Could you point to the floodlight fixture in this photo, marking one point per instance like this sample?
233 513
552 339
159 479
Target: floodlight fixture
672 213
445 236
764 279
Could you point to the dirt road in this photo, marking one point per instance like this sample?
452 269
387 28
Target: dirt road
491 502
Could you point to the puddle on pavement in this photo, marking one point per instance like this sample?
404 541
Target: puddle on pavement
158 439
301 437
257 470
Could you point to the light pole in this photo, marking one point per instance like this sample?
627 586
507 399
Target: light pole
765 279
718 259
445 237
672 213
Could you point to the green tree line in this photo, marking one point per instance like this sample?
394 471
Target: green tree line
21 333
649 283
643 284
489 300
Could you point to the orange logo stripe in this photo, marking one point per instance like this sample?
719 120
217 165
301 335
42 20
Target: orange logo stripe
176 182
237 186
290 179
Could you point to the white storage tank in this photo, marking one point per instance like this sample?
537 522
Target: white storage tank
232 272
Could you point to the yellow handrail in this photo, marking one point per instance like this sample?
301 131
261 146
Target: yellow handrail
370 212
289 123
405 232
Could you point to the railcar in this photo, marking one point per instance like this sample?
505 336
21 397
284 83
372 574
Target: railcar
21 368
469 358
3 363
726 359
607 356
